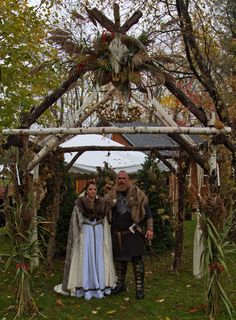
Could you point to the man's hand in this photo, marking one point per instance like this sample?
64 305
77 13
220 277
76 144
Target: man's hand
149 235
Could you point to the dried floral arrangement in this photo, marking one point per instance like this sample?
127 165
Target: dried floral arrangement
22 200
113 58
216 222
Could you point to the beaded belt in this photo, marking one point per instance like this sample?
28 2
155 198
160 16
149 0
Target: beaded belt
93 224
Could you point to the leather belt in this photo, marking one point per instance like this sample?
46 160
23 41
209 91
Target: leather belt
119 235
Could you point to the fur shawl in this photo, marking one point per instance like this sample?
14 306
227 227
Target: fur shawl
91 211
137 201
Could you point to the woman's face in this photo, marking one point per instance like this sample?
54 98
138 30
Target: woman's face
91 191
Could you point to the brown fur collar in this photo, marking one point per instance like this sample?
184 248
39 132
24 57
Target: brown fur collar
136 201
92 211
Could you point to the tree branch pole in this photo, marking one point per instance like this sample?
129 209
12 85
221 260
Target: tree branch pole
108 130
179 94
73 160
74 119
166 163
183 140
116 148
35 113
54 141
163 116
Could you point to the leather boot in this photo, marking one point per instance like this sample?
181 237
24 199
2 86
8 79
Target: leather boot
138 268
121 269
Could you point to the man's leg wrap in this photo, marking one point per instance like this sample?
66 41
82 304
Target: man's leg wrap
138 268
121 270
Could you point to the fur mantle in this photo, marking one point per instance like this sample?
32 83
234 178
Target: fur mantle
91 211
137 201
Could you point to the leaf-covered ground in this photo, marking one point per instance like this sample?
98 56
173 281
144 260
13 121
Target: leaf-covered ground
168 295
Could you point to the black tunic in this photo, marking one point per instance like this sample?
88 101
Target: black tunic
125 243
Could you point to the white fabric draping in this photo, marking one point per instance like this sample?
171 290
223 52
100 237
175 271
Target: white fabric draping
198 246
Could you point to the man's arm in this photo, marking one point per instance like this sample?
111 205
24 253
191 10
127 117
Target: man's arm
149 218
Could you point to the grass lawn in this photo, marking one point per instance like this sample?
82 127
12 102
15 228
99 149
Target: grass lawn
168 295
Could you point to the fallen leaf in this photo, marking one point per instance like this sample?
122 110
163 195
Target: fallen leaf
111 312
59 303
11 307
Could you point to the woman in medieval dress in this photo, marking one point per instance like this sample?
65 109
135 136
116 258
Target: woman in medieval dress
89 267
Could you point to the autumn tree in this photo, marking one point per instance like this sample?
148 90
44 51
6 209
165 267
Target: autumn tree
23 48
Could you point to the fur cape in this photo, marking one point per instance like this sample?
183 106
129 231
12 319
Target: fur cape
137 201
91 211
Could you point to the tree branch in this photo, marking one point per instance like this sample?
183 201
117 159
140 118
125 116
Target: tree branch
35 113
204 77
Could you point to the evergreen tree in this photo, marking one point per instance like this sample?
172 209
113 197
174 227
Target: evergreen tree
105 180
154 183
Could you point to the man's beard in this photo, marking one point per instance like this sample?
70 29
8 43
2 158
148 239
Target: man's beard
122 187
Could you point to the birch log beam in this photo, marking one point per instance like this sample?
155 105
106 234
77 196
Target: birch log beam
109 130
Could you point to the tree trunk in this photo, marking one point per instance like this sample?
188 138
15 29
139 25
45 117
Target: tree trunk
54 211
179 232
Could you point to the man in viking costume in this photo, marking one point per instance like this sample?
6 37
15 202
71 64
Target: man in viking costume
128 209
89 268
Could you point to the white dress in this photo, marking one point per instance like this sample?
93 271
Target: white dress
93 265
91 270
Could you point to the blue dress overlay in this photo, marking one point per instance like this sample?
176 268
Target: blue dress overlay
89 268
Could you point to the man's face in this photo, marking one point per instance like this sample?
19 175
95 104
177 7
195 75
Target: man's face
123 181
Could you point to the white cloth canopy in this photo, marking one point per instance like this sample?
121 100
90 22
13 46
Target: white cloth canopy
130 161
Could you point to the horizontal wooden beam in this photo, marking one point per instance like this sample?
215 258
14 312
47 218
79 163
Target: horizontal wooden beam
110 130
116 148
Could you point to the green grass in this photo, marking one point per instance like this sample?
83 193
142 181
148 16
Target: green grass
168 295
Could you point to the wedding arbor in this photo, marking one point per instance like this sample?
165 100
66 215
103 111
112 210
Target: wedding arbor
121 67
